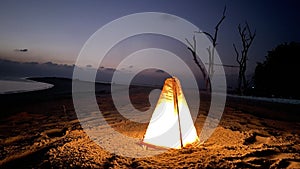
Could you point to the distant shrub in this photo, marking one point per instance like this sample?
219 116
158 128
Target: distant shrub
278 75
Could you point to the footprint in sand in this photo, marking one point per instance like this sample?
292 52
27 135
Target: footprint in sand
55 132
256 137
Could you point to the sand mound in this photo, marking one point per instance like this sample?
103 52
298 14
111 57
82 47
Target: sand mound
225 149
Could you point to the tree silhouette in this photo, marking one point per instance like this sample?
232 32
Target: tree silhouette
247 38
192 48
210 50
278 75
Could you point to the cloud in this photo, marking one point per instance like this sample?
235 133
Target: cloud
110 69
34 69
159 71
51 64
21 50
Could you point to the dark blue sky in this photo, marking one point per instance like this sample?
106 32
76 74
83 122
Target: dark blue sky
56 30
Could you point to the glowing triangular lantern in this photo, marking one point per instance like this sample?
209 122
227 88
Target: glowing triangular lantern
171 124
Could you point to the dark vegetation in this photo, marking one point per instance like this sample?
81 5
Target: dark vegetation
278 75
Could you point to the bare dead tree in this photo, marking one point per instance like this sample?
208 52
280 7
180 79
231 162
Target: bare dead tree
247 38
192 48
211 50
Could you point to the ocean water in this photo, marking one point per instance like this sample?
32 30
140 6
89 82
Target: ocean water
19 85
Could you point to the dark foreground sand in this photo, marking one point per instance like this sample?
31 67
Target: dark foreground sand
47 134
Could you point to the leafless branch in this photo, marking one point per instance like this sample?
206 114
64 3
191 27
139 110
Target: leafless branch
215 36
237 54
217 26
192 48
207 34
247 38
210 49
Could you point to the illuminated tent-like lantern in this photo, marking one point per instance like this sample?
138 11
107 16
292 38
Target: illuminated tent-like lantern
171 124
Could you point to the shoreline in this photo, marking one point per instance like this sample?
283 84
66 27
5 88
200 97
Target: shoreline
47 85
62 89
22 85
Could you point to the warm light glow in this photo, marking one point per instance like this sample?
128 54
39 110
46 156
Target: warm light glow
166 127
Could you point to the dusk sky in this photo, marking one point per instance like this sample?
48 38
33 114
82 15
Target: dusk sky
55 31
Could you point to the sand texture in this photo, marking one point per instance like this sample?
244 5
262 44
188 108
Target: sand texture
49 135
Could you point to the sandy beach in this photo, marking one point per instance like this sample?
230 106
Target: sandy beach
44 132
149 84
